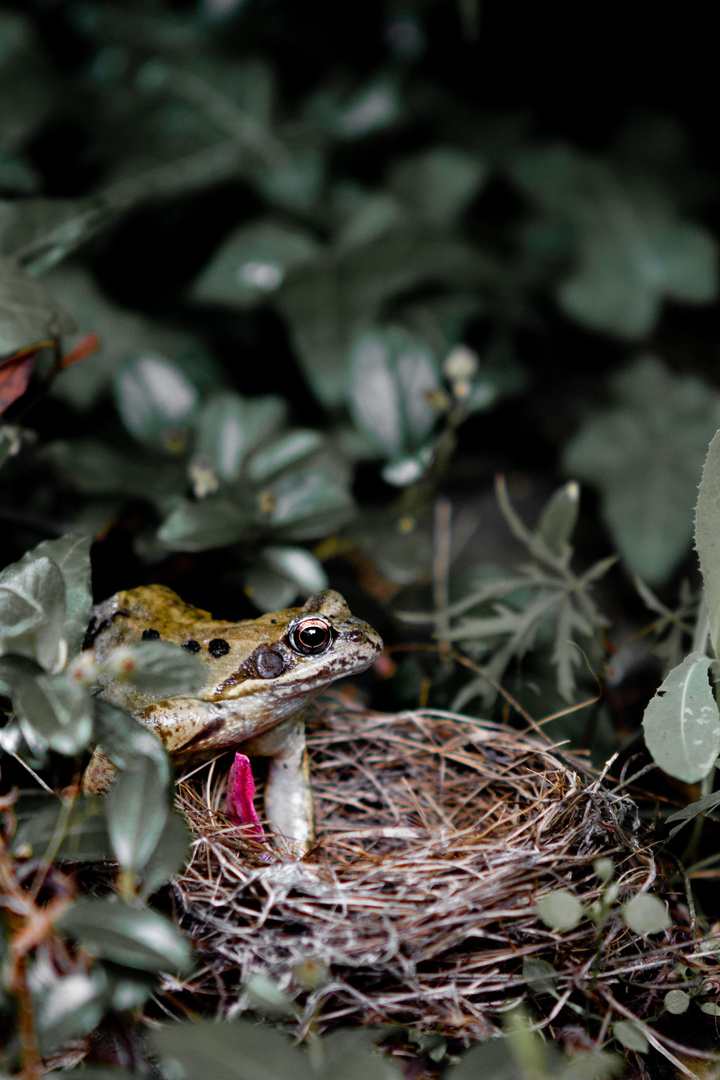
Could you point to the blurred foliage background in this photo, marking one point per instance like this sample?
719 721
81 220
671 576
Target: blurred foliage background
346 263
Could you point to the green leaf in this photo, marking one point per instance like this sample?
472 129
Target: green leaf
438 183
253 262
171 852
329 302
540 975
211 523
676 1002
295 184
631 1036
492 1060
279 574
645 455
646 914
124 739
72 1006
287 450
391 376
308 506
216 1049
136 809
707 536
560 910
133 936
705 805
681 722
56 710
83 831
163 669
153 396
230 426
558 518
710 1008
28 310
37 233
95 468
71 554
32 611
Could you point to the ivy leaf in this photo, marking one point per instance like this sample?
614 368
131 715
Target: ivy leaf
230 426
308 505
647 481
438 183
210 523
136 937
682 723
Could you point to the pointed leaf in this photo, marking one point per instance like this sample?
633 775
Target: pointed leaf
71 554
210 523
32 610
134 936
136 809
682 724
707 536
57 710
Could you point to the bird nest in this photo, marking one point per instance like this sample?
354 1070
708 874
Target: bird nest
437 836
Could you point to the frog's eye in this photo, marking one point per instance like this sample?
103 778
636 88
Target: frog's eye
309 637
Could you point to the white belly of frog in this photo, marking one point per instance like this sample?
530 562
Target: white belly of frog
261 674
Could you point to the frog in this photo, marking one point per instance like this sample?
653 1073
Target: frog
261 675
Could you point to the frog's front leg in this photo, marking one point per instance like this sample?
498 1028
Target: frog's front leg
288 795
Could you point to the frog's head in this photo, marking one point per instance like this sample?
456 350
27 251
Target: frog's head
294 653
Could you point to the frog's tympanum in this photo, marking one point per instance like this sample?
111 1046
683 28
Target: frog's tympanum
261 673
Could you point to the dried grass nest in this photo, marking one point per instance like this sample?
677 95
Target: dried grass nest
438 834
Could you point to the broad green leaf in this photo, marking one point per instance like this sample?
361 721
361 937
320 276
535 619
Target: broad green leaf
288 449
646 914
491 1060
211 1049
707 536
171 852
56 710
438 183
560 909
391 376
308 505
630 1036
211 523
296 183
124 739
153 396
645 455
133 936
71 554
43 821
72 1006
681 722
14 671
374 107
126 990
28 310
163 669
710 1008
298 565
230 426
540 975
279 574
676 1002
95 468
331 301
252 262
32 611
136 810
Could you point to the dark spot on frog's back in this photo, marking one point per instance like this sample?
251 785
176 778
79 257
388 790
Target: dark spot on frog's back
218 647
192 646
151 635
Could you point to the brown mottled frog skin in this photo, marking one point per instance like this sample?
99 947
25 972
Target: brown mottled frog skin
261 673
